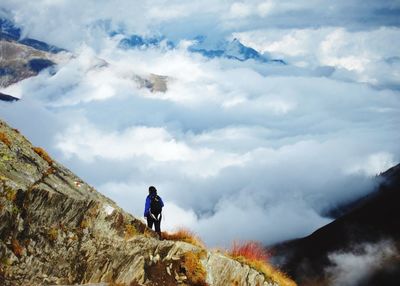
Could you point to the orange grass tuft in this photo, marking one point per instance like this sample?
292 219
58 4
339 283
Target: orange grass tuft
130 231
251 250
16 248
4 139
42 153
194 270
52 233
256 256
184 235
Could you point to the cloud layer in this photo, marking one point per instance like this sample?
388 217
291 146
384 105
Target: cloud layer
355 267
258 150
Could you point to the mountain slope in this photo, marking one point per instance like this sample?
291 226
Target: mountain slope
20 57
373 219
232 50
6 97
20 61
56 229
9 31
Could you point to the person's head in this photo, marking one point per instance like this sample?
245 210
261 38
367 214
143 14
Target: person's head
152 190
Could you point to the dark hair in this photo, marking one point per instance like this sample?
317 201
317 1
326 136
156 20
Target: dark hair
152 190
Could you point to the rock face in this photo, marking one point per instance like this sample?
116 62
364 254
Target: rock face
6 97
57 230
18 61
153 82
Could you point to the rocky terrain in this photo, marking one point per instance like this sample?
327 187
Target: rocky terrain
19 61
57 230
6 97
153 82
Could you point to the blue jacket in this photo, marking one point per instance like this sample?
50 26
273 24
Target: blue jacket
147 205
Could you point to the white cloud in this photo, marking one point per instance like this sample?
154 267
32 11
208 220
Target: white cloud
229 139
88 143
363 54
374 164
240 10
265 8
355 267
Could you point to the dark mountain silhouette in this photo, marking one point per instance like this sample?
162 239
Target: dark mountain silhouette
6 97
372 219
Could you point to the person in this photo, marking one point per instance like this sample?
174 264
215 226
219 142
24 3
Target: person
153 210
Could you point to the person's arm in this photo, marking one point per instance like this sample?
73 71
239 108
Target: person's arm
162 203
147 206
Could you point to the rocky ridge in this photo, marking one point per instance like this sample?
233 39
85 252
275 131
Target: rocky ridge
18 61
57 230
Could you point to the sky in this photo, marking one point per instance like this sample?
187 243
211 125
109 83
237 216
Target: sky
237 150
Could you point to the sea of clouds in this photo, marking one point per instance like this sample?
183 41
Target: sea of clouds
237 150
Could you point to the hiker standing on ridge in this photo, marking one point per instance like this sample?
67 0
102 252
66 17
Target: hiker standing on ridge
153 209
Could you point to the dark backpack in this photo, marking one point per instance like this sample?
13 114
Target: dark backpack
155 205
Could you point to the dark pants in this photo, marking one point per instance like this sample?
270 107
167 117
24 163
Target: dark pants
157 223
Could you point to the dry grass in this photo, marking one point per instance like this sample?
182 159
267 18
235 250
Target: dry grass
84 224
116 284
10 194
17 248
119 221
130 231
42 153
194 270
53 233
251 250
49 171
256 256
184 235
4 139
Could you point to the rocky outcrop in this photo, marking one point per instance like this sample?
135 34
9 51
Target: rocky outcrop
57 230
6 97
153 82
18 61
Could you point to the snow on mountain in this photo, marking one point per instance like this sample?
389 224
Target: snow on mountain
136 41
233 49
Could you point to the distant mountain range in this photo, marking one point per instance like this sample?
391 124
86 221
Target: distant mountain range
9 31
226 49
370 220
233 49
22 57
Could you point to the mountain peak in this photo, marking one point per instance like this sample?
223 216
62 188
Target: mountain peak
232 49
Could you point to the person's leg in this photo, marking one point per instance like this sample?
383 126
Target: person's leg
150 221
157 225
